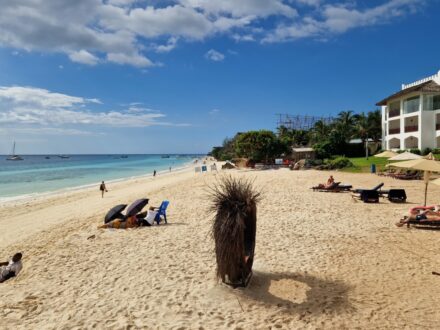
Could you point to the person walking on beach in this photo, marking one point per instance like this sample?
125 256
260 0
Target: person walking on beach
170 168
103 189
154 173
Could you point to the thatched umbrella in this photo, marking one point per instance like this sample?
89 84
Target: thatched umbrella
386 154
234 203
427 164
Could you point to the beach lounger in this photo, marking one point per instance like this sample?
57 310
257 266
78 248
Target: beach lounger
377 188
394 195
423 223
162 212
368 195
334 187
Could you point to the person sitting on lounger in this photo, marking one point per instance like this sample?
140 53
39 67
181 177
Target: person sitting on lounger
330 182
425 216
10 268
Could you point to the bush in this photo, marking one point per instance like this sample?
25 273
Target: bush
323 150
400 151
426 151
415 151
339 162
436 151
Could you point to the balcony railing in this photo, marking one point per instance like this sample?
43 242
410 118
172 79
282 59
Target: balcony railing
437 127
411 129
394 131
393 113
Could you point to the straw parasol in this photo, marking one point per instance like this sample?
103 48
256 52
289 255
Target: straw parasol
234 202
427 164
386 154
405 156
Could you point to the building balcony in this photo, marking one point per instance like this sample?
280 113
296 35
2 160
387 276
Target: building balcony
394 131
394 113
409 129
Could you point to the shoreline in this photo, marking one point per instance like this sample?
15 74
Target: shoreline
4 201
21 199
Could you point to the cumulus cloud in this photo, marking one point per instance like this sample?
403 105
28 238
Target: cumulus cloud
29 108
170 45
339 18
84 57
92 32
214 55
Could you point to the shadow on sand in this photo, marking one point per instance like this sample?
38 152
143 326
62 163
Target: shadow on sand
319 296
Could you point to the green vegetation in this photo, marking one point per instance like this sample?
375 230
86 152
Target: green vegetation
362 165
326 138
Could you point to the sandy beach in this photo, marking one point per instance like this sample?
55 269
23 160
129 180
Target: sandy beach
323 260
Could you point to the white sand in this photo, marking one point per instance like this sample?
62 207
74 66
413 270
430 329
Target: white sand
322 260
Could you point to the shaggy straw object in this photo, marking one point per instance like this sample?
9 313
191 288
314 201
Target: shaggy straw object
234 203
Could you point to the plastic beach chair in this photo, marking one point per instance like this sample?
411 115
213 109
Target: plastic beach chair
162 212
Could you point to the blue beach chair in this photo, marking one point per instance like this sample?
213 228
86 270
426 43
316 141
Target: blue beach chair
162 212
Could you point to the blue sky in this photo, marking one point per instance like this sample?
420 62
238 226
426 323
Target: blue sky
127 76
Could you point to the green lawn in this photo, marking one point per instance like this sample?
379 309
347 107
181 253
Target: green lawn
362 165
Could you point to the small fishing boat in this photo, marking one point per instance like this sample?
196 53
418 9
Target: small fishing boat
13 156
63 156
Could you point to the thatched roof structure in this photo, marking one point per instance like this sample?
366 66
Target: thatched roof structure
427 87
234 202
228 166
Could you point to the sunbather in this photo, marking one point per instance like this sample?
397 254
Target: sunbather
10 268
131 222
424 216
329 183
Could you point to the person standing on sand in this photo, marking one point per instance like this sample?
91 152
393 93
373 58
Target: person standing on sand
154 173
103 189
170 168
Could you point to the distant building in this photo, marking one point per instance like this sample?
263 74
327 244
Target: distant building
302 153
411 117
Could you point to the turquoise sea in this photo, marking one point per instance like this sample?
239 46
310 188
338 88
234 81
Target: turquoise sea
40 173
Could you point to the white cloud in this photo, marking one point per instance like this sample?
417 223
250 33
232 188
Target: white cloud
214 112
35 108
93 32
170 45
339 18
132 59
214 55
261 8
83 57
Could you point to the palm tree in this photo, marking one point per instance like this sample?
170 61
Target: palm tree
345 125
362 128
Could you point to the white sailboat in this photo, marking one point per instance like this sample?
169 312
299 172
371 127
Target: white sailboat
13 156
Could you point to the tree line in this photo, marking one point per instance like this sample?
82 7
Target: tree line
326 138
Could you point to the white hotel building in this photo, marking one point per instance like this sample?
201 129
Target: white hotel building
411 117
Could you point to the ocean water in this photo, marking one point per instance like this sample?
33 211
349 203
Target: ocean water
36 174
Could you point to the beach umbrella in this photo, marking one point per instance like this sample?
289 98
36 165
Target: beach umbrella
137 206
426 165
386 154
115 213
405 156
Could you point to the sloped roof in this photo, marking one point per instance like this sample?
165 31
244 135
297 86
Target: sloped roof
303 149
427 87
